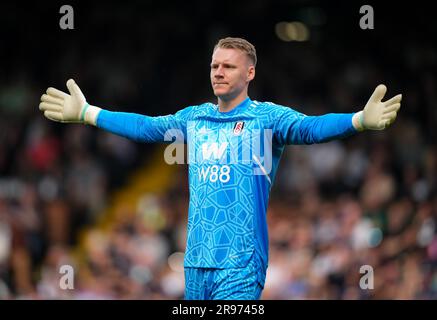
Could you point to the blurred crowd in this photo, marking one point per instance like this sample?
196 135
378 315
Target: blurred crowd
368 200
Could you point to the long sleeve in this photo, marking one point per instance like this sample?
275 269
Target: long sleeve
143 128
293 127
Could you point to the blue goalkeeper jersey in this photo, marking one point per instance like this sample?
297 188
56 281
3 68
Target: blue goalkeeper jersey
233 158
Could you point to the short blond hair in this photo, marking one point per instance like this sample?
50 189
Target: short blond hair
240 44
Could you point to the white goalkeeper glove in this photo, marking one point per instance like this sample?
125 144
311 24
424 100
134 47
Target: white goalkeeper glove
377 115
71 108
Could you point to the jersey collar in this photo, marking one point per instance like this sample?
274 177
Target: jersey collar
238 109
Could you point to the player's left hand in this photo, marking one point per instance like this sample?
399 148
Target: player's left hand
378 115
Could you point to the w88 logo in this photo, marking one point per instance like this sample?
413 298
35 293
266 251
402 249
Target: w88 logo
215 172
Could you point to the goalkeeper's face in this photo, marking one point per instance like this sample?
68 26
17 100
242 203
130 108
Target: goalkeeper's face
231 72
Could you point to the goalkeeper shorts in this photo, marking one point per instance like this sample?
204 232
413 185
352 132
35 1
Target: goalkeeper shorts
225 284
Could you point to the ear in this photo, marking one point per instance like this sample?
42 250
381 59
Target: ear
250 73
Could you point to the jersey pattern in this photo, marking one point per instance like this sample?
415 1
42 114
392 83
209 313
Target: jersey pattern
233 158
230 177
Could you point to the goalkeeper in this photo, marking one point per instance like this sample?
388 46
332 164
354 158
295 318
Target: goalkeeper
226 253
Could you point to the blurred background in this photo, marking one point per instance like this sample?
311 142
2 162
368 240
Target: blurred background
113 210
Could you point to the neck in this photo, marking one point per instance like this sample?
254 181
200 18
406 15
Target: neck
228 105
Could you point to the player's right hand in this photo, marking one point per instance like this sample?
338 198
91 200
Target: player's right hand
62 107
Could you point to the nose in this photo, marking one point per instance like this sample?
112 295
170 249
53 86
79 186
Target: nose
219 73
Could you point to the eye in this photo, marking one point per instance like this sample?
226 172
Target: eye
214 66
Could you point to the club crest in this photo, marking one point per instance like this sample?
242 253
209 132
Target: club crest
238 128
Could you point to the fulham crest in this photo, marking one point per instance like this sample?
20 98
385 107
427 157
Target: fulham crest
238 128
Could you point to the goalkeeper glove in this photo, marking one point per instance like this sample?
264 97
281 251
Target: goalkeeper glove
377 115
71 108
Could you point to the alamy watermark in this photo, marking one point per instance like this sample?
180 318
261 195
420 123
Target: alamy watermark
66 282
367 21
67 20
367 280
220 149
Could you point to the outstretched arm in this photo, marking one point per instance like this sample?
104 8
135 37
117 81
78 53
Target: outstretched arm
297 128
73 108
